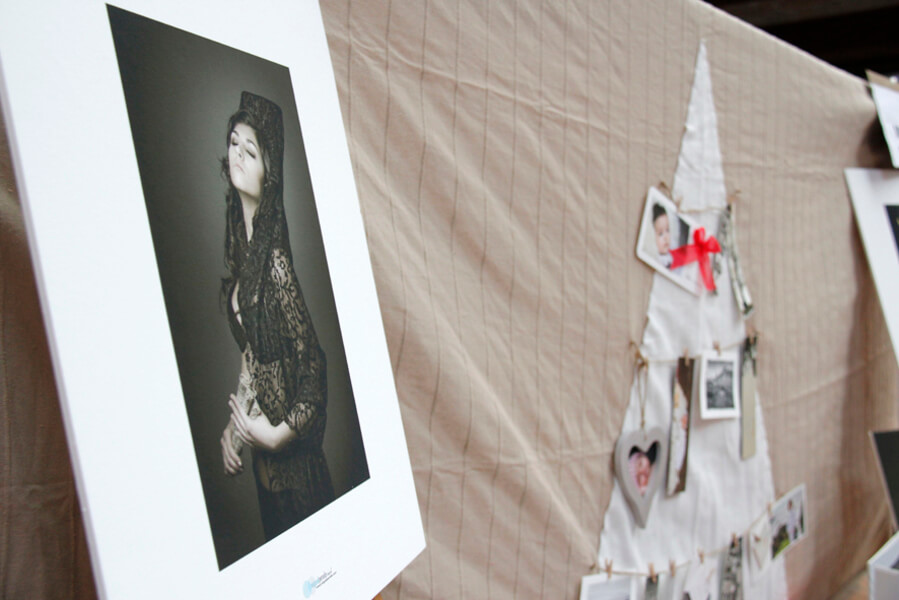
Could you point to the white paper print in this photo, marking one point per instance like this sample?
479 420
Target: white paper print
662 231
875 199
759 544
702 580
719 378
887 102
788 521
600 587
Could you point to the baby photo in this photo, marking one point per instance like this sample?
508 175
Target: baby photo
662 230
640 466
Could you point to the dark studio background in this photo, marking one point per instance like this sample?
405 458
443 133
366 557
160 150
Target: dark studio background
180 90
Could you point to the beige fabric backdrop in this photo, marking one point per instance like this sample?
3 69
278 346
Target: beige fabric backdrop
502 152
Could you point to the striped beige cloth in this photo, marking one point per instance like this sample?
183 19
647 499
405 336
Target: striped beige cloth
502 152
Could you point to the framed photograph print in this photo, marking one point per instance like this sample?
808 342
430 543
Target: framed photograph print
663 229
875 199
719 396
206 286
601 587
788 520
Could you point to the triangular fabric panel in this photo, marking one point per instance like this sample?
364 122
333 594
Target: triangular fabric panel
724 494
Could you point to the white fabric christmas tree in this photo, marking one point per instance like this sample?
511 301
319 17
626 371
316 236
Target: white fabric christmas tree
724 494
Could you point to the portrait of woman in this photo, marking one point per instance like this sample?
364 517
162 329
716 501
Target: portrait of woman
266 387
279 409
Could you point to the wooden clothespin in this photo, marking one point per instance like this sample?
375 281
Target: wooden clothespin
665 189
769 509
701 557
639 360
717 347
609 568
733 539
686 353
672 567
652 573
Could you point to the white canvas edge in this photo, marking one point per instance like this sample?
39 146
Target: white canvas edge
886 557
887 102
871 191
654 195
705 411
883 579
109 339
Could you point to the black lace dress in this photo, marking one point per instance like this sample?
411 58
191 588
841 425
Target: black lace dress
287 369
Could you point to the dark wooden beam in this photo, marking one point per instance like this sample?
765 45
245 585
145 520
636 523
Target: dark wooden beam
769 13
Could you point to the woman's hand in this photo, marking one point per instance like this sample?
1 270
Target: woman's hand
233 464
259 431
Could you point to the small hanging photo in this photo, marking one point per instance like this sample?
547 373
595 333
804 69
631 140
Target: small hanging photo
600 587
702 581
679 436
641 457
664 230
788 520
719 396
732 571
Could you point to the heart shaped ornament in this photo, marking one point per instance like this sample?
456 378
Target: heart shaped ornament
640 459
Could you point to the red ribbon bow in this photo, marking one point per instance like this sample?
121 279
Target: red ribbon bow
698 251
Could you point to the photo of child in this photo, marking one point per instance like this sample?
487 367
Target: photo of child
662 230
640 466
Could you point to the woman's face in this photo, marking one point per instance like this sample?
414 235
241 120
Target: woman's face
247 168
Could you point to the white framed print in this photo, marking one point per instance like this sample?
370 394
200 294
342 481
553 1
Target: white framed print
600 586
208 294
885 93
663 228
875 200
718 384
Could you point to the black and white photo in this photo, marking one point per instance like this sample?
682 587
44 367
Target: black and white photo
238 173
218 347
719 396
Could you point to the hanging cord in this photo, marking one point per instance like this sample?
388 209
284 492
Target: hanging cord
641 377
